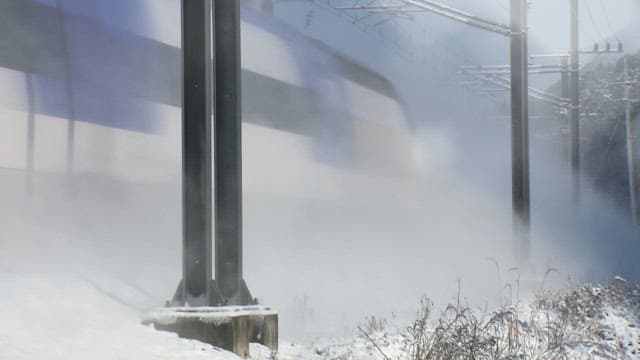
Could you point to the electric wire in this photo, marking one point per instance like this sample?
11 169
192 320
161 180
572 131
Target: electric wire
599 33
326 7
502 6
590 32
607 20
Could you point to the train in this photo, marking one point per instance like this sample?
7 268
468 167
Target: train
93 87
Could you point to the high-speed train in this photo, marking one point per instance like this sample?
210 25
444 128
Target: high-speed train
94 86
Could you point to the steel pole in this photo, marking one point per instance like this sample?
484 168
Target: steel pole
519 131
574 109
31 108
31 129
564 94
631 171
71 108
228 153
526 214
196 152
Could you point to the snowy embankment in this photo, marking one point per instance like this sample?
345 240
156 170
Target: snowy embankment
77 318
61 317
584 322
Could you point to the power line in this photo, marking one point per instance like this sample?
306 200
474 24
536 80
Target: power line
502 6
606 18
373 30
593 22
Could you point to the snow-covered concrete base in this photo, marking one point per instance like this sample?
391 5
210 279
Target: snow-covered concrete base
208 314
229 327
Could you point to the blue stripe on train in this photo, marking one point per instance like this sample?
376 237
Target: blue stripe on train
93 105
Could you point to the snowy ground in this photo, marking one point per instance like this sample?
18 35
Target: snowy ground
577 322
62 317
69 317
46 317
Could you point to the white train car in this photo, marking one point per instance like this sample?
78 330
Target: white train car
113 67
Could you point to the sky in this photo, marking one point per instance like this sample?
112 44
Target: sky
549 19
599 19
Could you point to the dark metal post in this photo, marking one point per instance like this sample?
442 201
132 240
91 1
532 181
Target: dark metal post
31 129
228 154
196 152
31 107
519 131
564 78
574 109
564 94
631 165
71 108
526 213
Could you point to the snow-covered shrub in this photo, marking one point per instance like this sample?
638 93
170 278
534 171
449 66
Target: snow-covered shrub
574 323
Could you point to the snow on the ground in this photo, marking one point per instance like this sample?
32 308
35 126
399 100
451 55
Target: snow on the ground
387 346
626 330
62 317
99 317
585 322
93 317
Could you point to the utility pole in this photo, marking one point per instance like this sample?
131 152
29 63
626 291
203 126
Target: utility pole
31 129
574 107
228 155
31 109
71 108
519 130
564 94
633 197
571 91
516 32
190 313
195 288
526 189
201 87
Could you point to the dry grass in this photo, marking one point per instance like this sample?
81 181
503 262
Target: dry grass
559 325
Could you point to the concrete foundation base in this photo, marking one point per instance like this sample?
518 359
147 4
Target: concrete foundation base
229 327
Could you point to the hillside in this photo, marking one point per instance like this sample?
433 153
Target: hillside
603 132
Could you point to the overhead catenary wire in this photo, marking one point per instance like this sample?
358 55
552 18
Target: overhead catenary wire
538 94
594 24
502 6
605 13
370 30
